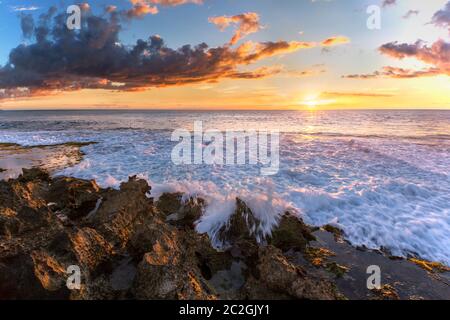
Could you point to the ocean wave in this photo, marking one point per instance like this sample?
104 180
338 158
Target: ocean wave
386 188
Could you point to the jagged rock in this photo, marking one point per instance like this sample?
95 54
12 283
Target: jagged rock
15 194
169 203
26 219
167 273
279 275
77 198
49 271
147 234
179 212
33 174
127 248
207 259
18 280
255 289
91 249
123 211
242 225
291 234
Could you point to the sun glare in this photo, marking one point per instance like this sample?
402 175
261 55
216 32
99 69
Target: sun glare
312 101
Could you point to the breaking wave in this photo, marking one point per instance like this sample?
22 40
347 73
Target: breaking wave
386 187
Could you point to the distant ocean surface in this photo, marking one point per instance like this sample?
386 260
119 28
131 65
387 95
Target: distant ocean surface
382 176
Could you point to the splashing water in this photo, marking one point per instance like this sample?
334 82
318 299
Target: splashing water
381 176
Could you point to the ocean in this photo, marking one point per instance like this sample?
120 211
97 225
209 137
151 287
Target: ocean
382 176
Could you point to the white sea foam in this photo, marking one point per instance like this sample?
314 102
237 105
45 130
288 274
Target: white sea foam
384 180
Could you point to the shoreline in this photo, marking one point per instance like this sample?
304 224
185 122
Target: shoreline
55 157
128 244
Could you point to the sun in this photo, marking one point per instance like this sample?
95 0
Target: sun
312 101
311 104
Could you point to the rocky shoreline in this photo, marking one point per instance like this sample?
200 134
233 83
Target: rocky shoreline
129 246
14 157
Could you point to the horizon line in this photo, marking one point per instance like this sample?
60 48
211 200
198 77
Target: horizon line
224 109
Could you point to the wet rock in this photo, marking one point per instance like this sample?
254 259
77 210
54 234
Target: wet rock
291 234
242 225
180 212
386 292
318 256
169 203
337 233
122 277
430 266
129 247
255 289
228 282
209 260
337 269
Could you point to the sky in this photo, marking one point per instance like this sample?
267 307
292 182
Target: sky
225 54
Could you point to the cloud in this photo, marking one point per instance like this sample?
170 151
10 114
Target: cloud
24 8
246 23
397 73
141 8
336 94
442 17
173 3
94 58
110 9
410 13
84 6
333 41
27 25
306 73
437 56
387 3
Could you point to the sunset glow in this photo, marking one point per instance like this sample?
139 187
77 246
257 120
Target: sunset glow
267 63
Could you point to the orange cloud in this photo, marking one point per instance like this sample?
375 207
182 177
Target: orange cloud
437 55
333 41
141 8
173 3
246 23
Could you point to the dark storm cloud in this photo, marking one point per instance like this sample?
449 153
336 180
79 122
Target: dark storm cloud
93 57
27 25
